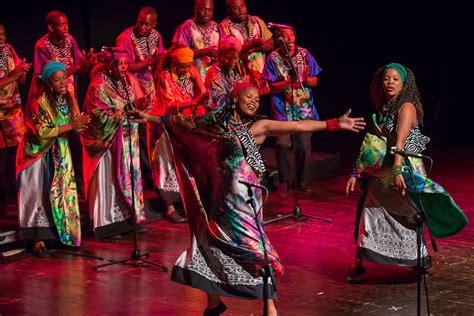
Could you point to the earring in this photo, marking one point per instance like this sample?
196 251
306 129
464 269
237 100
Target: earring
233 106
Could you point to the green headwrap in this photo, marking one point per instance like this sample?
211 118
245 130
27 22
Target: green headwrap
50 68
400 69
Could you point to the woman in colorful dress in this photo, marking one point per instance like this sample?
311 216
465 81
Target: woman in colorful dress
180 90
47 195
213 153
107 155
12 126
385 224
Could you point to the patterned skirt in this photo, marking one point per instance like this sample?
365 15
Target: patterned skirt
386 229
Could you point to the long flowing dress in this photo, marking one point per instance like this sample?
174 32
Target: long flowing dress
11 129
107 172
12 126
171 89
211 154
385 226
47 195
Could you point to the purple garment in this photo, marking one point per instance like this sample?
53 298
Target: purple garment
45 51
285 106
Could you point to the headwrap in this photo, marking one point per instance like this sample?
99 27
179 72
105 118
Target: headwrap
121 54
400 69
239 88
50 68
182 55
230 42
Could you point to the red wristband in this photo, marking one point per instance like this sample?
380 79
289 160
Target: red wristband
333 125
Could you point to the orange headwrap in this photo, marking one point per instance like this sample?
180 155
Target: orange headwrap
182 55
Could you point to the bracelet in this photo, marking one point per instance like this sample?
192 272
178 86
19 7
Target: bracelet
396 170
333 125
355 173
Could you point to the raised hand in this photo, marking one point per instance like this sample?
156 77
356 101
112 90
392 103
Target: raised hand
355 124
88 59
80 121
21 69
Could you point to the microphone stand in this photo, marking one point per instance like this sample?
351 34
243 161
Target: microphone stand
296 214
265 272
422 224
135 257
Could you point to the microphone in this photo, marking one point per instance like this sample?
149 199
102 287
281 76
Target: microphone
249 185
113 49
278 26
405 153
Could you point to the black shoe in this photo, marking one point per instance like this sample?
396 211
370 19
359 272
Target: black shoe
354 273
174 217
219 309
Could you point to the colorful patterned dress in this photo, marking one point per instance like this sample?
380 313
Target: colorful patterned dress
12 127
107 173
138 49
385 227
212 153
301 102
47 194
171 89
196 36
253 28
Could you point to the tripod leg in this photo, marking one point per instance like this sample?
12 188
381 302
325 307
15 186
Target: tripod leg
109 264
156 264
277 219
327 220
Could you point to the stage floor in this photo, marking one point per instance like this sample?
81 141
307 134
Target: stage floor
316 256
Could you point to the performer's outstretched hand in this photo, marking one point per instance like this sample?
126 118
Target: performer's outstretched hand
353 124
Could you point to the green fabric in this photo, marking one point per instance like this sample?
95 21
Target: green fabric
400 69
445 218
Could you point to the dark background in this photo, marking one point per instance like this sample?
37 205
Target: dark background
349 39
